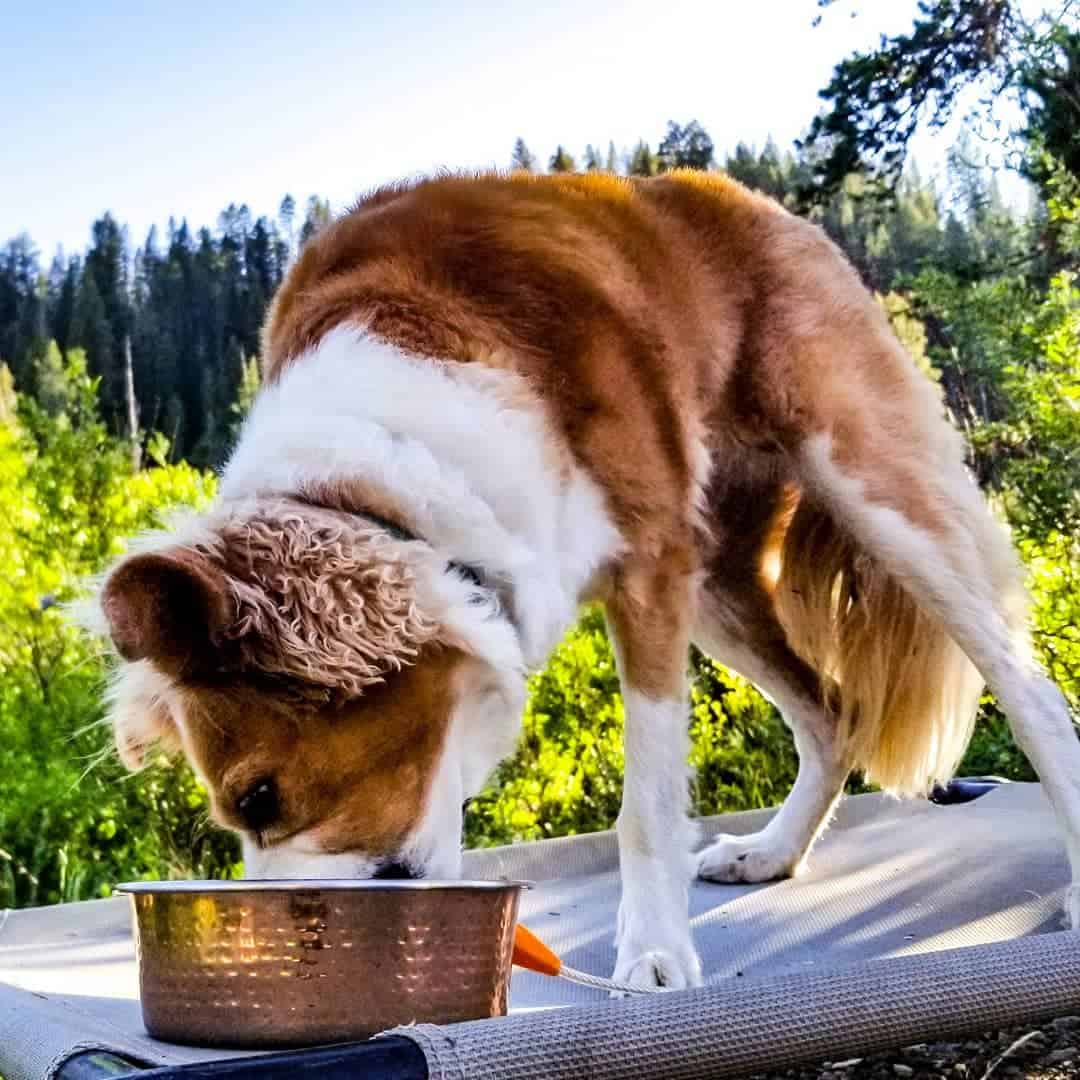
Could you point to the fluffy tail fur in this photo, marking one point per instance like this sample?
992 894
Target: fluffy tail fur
905 694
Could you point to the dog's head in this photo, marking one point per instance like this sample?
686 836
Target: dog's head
340 690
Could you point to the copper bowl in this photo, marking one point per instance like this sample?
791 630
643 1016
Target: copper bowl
293 963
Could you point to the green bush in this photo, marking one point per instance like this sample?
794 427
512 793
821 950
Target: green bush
72 822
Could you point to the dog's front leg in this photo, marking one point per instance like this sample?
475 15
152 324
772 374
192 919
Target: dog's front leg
650 613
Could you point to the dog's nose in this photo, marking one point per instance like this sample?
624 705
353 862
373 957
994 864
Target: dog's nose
396 871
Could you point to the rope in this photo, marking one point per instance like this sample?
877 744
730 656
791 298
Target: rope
598 983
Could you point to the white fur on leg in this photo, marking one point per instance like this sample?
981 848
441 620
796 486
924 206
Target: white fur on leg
655 839
781 848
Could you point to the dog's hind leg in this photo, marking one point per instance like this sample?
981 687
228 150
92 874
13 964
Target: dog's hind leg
649 614
908 503
737 628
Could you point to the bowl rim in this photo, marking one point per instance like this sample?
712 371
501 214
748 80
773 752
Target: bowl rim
279 885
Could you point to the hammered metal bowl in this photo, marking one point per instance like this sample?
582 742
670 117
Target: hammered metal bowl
294 963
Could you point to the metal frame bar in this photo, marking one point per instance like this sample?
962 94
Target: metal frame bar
388 1058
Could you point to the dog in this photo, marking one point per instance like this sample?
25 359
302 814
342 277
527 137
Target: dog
491 398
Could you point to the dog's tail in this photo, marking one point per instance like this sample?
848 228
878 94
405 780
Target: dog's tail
902 693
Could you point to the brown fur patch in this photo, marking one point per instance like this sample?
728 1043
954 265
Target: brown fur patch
651 608
167 607
354 777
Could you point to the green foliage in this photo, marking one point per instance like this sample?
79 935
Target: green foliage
1011 352
567 774
250 381
1050 74
71 822
878 99
742 753
1042 474
992 751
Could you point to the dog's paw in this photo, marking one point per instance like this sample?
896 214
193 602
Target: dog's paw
673 968
1072 906
748 859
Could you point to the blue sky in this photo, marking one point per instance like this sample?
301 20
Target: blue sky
150 109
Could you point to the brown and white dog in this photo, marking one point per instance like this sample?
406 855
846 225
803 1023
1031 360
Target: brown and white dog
491 398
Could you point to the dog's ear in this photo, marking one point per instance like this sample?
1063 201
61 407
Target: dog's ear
287 591
170 607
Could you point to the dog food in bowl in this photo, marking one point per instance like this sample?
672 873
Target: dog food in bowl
293 963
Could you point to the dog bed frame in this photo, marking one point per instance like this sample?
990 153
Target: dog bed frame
915 920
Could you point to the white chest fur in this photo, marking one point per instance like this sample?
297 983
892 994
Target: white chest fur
468 453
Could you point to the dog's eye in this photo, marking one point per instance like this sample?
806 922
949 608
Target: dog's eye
259 805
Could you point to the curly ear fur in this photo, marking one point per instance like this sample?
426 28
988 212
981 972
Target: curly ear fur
319 598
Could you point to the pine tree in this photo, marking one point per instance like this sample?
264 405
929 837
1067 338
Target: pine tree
1052 82
22 307
106 265
765 172
522 159
685 147
262 277
592 160
63 283
561 162
286 217
612 163
90 329
316 216
643 161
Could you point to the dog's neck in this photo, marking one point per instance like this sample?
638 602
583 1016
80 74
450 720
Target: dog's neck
465 455
497 593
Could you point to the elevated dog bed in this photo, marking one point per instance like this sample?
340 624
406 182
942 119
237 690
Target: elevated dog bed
914 921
